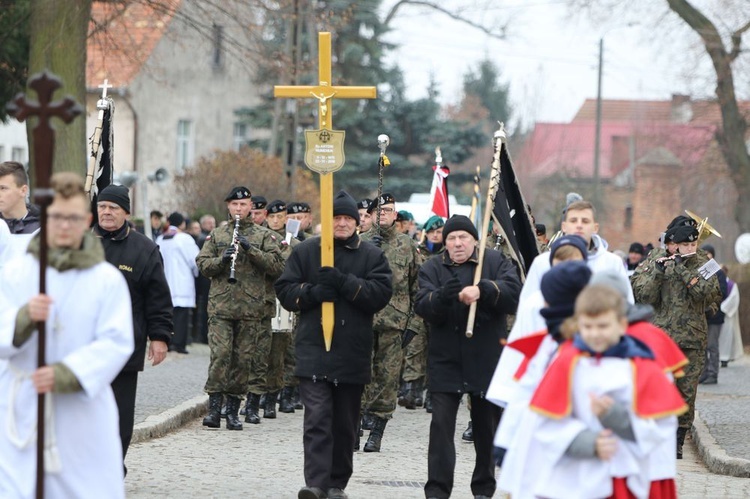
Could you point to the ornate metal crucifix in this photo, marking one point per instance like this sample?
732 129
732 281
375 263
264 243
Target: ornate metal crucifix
45 85
323 153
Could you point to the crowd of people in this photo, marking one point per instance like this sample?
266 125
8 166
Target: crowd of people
586 366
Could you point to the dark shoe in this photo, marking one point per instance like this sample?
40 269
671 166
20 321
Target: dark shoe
336 493
376 435
724 363
285 402
213 419
295 398
428 403
482 497
311 493
709 381
407 401
252 409
468 435
269 408
681 432
703 377
233 420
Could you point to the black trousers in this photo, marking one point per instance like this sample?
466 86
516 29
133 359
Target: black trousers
330 431
124 387
181 320
441 452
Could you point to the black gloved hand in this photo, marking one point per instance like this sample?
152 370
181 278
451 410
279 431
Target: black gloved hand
659 264
322 292
331 276
226 257
406 336
678 259
243 242
449 291
377 240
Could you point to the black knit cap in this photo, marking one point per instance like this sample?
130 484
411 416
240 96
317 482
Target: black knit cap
459 222
238 192
541 229
344 204
276 206
117 194
560 286
259 202
569 240
637 248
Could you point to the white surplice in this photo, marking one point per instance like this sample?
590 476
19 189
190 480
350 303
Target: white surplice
89 330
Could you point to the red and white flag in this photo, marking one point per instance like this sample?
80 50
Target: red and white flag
439 191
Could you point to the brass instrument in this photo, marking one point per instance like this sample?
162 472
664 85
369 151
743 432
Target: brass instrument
232 279
704 229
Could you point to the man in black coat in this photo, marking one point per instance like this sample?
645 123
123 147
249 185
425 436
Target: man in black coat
457 364
139 260
331 383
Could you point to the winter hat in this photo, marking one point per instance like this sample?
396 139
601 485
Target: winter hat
175 219
117 194
569 240
612 280
459 222
344 204
637 248
709 249
560 287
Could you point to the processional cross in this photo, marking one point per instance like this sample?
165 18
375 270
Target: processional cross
45 85
324 151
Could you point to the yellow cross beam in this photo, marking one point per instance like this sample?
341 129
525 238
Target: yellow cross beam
325 92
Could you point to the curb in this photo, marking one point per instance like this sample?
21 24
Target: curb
160 424
713 456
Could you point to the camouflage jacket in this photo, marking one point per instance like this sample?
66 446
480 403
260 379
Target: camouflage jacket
286 250
248 297
679 296
404 259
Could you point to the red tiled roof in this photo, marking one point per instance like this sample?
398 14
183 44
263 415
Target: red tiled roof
703 111
121 39
568 148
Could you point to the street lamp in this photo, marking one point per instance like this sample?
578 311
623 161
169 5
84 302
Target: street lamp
129 179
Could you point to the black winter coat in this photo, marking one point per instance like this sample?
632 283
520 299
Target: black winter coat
367 290
139 260
455 363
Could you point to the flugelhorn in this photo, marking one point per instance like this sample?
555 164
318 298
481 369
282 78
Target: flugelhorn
704 229
232 279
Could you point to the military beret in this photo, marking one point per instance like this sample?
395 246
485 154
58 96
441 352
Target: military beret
364 204
433 223
385 198
276 206
238 192
682 234
259 202
298 207
400 217
405 215
682 220
306 208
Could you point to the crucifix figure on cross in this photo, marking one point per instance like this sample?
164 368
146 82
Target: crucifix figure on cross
328 157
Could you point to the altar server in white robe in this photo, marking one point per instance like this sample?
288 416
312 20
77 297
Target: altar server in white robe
89 339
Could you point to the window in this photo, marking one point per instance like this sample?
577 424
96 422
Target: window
628 217
18 154
2 153
239 138
218 52
185 144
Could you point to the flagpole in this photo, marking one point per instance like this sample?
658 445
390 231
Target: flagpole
96 140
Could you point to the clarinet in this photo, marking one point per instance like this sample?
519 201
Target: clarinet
232 279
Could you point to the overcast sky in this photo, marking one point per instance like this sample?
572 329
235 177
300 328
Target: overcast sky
549 60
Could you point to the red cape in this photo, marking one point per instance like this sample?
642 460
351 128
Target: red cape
668 354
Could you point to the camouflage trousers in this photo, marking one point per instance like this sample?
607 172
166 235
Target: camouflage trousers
290 363
279 343
415 359
688 384
233 345
381 394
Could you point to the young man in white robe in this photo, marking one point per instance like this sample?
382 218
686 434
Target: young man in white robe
89 338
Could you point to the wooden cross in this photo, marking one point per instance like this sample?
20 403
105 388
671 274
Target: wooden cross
45 85
324 92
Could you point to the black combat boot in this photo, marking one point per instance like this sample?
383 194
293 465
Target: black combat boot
367 421
296 399
376 435
407 400
233 407
681 432
285 404
269 408
252 407
213 419
418 391
428 402
468 435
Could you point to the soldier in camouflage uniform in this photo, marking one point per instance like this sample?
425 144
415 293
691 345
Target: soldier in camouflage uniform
680 296
396 323
237 336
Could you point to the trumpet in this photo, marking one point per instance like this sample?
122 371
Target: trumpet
232 279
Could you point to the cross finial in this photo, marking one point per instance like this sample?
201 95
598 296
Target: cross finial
45 85
104 86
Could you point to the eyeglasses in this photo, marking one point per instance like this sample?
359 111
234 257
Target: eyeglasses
387 210
61 219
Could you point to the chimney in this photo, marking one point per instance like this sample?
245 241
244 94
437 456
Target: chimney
682 109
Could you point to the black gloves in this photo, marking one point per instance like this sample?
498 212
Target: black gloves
449 291
677 259
332 277
226 257
406 336
377 240
243 242
323 292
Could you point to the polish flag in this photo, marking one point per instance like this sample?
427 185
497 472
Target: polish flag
439 191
